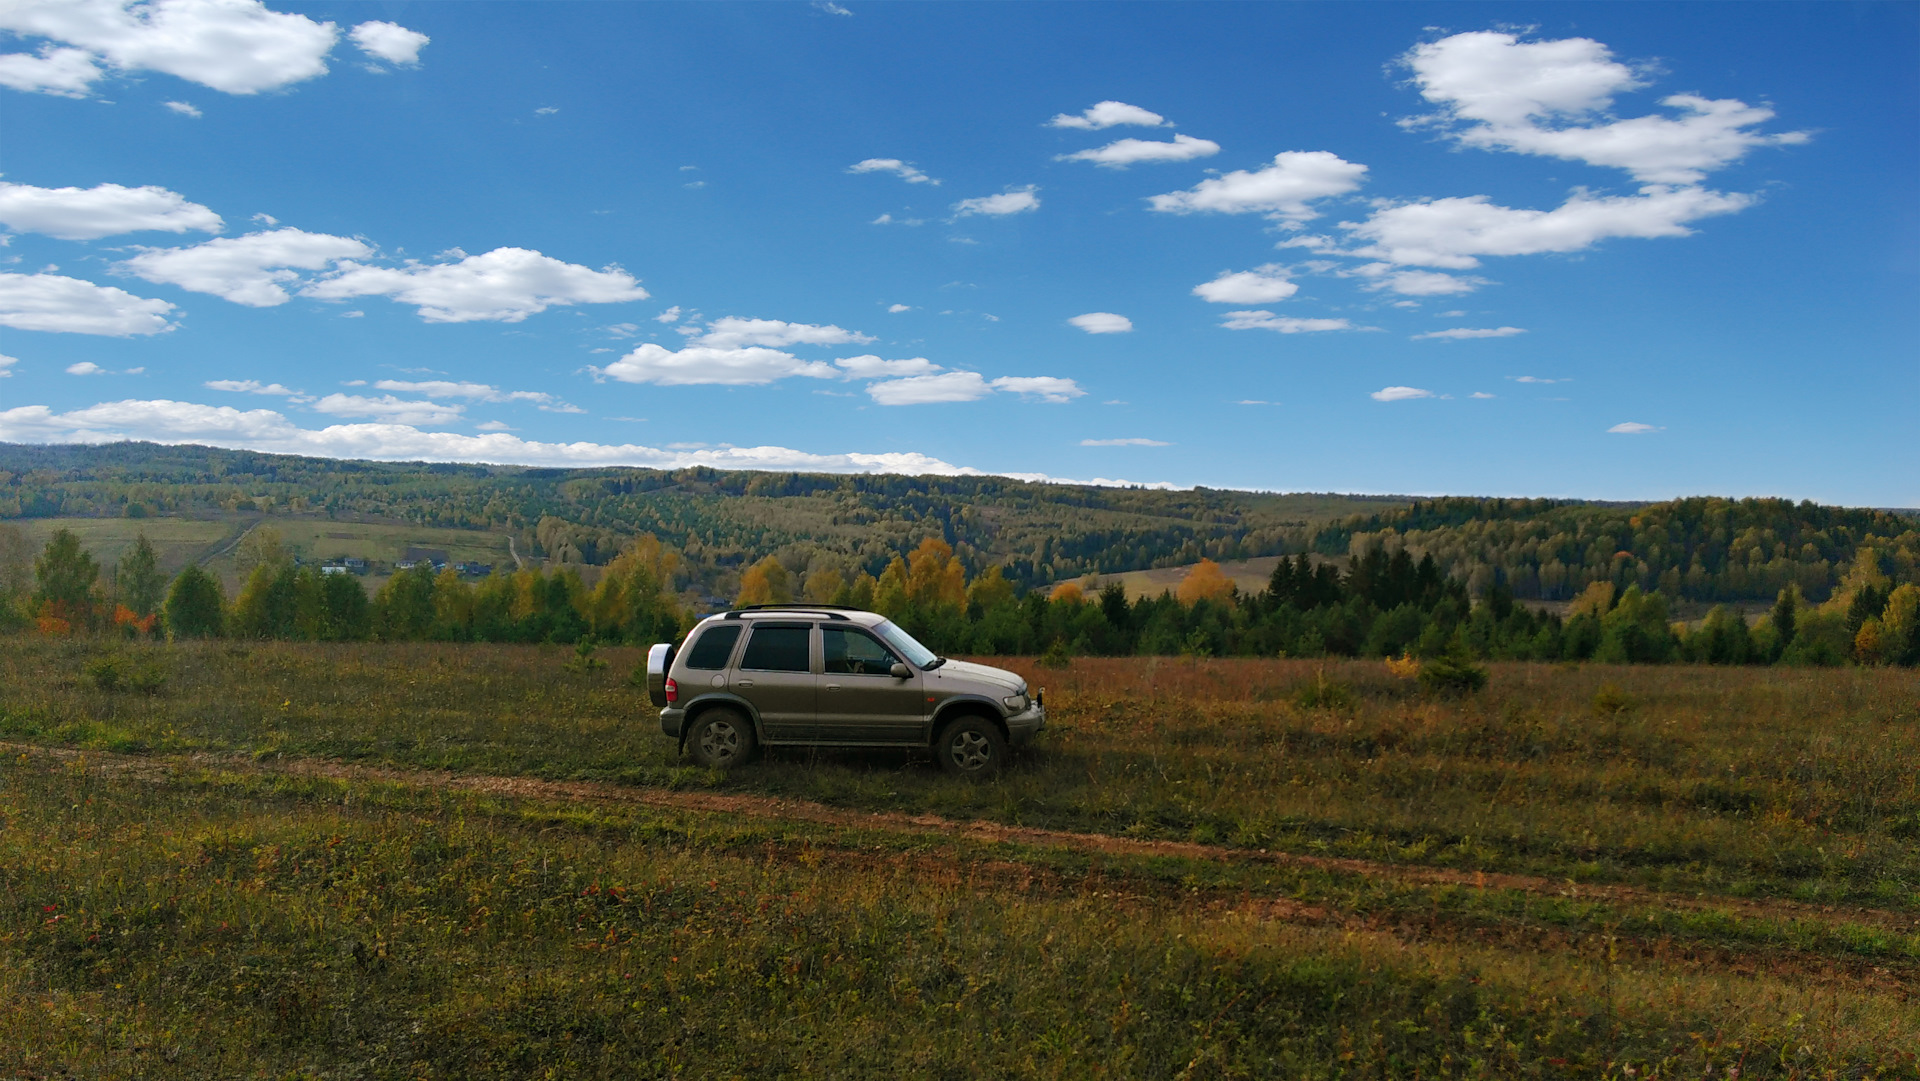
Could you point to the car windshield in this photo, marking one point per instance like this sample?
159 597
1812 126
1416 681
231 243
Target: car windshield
919 655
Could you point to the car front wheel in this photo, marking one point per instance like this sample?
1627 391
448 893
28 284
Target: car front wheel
971 747
721 739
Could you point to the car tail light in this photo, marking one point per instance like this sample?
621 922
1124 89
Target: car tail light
673 692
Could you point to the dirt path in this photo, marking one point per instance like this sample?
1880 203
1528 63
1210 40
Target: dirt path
792 810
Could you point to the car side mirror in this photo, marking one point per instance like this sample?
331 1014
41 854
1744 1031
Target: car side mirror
900 671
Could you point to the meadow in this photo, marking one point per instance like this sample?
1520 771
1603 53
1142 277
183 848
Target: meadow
410 859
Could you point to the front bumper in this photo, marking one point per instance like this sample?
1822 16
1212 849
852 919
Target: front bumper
1026 724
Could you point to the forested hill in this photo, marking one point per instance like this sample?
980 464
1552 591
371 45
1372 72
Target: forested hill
1702 549
718 520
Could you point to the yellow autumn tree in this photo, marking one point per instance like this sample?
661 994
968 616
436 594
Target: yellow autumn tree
934 575
990 589
890 592
1596 600
766 582
1068 593
823 585
1205 582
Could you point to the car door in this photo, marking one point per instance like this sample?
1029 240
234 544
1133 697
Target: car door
776 675
860 700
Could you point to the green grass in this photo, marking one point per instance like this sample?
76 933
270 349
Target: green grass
1746 783
176 541
179 922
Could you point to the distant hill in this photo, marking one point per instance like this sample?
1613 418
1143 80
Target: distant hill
1697 549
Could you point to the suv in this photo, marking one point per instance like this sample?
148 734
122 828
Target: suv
824 676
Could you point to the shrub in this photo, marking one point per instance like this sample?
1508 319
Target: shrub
1324 693
1611 701
1452 674
1056 656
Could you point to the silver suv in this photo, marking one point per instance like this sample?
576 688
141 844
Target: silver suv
824 676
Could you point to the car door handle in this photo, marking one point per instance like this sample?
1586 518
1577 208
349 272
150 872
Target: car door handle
743 683
833 686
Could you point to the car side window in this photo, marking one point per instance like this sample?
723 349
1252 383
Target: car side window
849 652
711 650
779 647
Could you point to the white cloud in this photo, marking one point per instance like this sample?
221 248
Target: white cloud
53 303
1047 388
671 315
1011 202
5 363
1481 394
1280 324
164 421
872 367
247 270
549 110
1124 443
732 332
249 386
1399 394
1125 152
1462 333
831 8
700 364
85 367
390 42
896 309
234 46
1454 232
1108 114
1529 97
1281 190
899 168
928 389
478 392
183 108
1416 283
104 210
67 73
1261 285
493 426
389 409
1536 379
889 219
1102 323
504 285
1633 427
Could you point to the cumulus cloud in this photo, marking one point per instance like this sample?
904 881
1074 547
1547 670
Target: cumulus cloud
895 166
872 367
889 219
1261 285
1108 114
248 270
1455 232
234 46
104 210
701 364
1125 152
671 315
58 304
389 408
1280 324
1281 190
1102 323
164 421
1011 202
85 367
1399 394
731 332
183 108
1416 283
1124 443
249 386
390 42
970 386
1462 333
477 392
504 285
1046 388
7 362
1499 92
1481 394
896 309
1633 427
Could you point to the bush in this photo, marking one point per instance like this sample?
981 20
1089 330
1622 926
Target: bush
1056 656
1452 675
1611 701
1324 693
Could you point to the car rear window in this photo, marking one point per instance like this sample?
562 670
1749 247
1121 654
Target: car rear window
782 648
713 647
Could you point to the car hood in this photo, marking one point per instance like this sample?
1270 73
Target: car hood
1000 680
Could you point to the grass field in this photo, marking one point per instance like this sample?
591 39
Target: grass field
418 860
177 541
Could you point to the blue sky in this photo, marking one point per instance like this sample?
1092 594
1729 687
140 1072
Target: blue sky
1609 251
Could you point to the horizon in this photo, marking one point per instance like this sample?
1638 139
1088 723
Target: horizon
1617 255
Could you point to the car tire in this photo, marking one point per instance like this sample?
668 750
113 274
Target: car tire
971 746
721 739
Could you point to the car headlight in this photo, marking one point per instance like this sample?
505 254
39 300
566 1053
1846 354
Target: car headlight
1015 703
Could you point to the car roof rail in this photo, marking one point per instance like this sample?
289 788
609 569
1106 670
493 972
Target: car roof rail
831 611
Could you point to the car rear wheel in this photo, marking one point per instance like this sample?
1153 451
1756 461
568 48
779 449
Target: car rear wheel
721 739
971 747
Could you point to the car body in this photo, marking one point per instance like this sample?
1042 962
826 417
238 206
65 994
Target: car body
824 676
